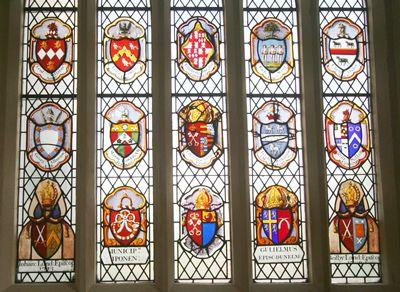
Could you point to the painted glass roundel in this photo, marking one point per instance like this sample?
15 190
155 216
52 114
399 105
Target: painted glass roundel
347 135
201 219
47 235
271 48
198 48
124 135
353 229
274 129
200 133
343 49
124 50
49 136
125 219
51 50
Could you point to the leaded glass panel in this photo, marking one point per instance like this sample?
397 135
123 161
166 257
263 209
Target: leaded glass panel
124 142
200 163
350 159
277 199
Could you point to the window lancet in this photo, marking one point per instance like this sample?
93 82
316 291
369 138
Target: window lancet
350 157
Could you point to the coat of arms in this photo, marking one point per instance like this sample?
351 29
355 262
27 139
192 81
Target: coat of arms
200 133
343 49
347 135
201 220
198 48
271 47
51 50
277 216
124 50
353 229
125 135
274 130
124 218
49 136
47 235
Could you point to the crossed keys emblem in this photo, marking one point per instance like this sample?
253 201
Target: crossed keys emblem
193 139
195 221
347 233
125 220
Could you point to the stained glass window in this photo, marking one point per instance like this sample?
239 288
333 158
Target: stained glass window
350 161
47 160
124 149
277 199
202 250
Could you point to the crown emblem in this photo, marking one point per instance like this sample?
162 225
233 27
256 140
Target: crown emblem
274 198
203 200
351 193
53 30
274 113
47 193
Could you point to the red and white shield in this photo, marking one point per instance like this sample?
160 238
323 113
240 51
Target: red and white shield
125 225
51 50
198 48
200 137
46 238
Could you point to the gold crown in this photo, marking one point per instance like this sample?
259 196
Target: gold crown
351 193
48 193
203 200
274 198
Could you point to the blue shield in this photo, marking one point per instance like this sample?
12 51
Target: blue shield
272 53
348 137
274 138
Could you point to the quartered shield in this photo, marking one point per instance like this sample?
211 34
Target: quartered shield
200 137
274 138
46 238
124 137
125 225
272 53
353 232
277 224
202 226
49 140
348 137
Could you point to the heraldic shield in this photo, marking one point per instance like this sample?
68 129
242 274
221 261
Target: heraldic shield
125 218
343 49
51 50
353 229
124 50
47 235
200 133
277 216
201 219
347 135
274 135
198 48
49 136
271 47
125 135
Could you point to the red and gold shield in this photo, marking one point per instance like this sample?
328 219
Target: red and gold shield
125 53
202 226
46 238
125 225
